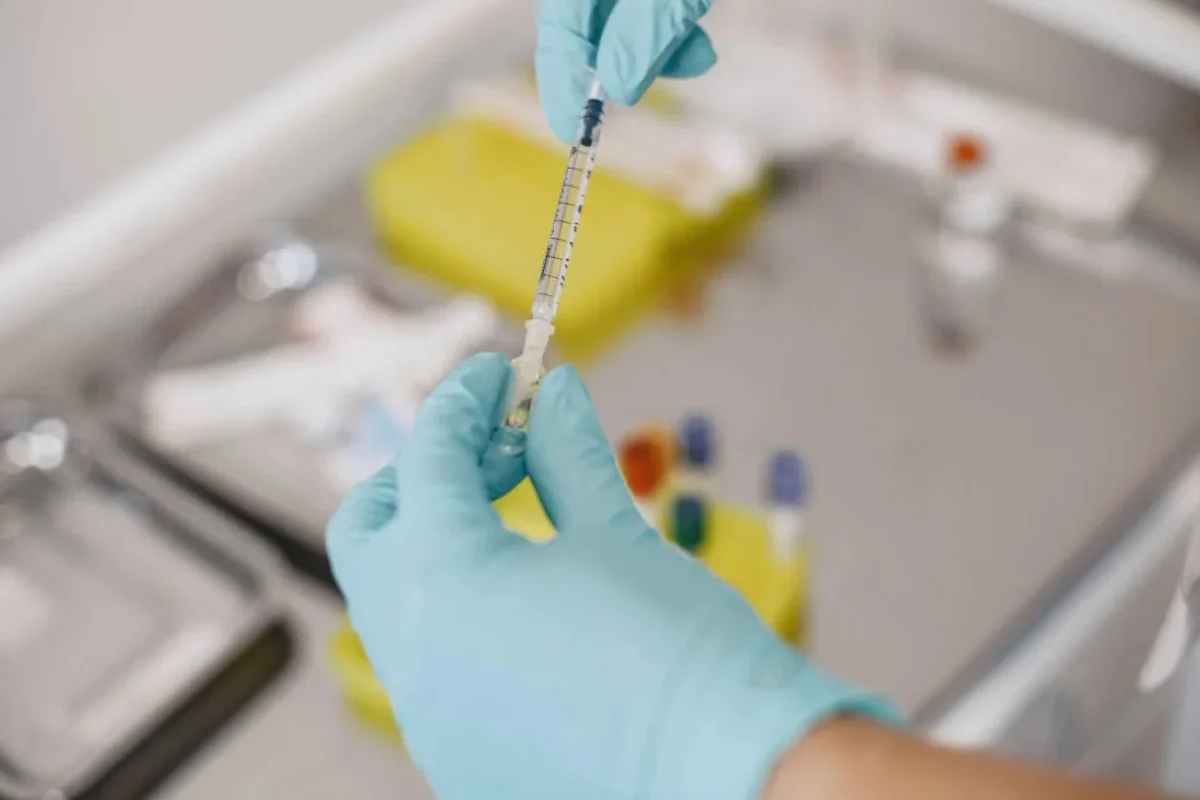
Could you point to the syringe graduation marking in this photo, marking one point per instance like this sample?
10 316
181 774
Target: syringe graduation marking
570 199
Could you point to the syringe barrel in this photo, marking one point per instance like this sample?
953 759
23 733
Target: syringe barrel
567 212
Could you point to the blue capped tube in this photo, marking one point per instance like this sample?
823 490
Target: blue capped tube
690 509
787 488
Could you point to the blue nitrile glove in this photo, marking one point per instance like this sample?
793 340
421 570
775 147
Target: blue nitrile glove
628 42
602 665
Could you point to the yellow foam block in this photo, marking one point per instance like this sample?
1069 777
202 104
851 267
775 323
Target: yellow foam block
738 549
363 692
469 203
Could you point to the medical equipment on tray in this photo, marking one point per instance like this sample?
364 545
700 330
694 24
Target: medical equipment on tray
528 367
787 484
645 461
670 199
689 521
370 443
353 350
697 445
133 621
690 506
787 526
700 165
801 96
1179 630
964 258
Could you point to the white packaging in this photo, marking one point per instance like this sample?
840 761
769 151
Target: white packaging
700 165
357 348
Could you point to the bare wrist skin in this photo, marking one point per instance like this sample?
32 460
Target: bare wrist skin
815 766
855 759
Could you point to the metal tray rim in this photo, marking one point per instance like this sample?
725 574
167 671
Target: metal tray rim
265 608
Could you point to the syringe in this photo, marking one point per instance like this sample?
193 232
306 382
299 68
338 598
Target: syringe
528 367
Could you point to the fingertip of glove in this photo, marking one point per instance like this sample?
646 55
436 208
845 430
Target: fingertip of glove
482 375
564 383
623 90
563 409
562 87
561 116
490 364
458 415
693 58
367 507
638 46
570 459
563 127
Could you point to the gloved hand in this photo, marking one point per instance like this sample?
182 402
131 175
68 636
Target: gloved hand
628 42
603 664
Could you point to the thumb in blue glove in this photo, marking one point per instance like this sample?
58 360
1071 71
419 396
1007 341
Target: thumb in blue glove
628 42
603 664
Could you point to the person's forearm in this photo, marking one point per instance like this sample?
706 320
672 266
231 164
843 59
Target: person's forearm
852 759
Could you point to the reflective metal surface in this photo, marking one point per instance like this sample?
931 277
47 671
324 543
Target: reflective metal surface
954 493
1064 689
244 305
119 602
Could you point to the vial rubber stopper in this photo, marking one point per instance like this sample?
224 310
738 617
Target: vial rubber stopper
696 441
788 479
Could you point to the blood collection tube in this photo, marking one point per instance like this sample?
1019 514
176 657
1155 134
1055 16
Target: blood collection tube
690 508
787 489
965 258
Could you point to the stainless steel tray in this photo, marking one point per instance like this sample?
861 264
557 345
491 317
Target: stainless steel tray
274 476
955 494
120 600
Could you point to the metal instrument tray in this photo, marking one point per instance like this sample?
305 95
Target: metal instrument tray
120 600
957 490
274 478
